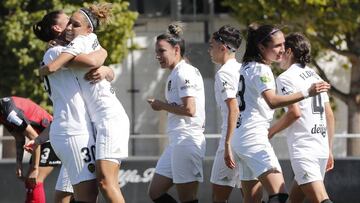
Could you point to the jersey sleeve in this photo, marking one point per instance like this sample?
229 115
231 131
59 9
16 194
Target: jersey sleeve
264 79
187 82
14 118
284 86
51 54
77 46
226 84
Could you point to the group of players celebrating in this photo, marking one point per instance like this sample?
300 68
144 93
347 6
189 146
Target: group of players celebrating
89 129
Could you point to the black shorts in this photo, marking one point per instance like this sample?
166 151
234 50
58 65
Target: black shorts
48 156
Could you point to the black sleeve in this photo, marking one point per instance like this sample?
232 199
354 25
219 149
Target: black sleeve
13 117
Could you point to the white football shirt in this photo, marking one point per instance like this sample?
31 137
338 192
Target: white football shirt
70 115
100 97
255 114
226 86
307 136
185 81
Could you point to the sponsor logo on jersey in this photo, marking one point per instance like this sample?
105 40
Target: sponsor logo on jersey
95 44
265 78
319 129
169 85
226 86
188 86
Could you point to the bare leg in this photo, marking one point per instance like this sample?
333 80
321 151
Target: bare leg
86 191
187 191
252 191
296 194
220 193
315 191
62 197
273 182
107 173
159 186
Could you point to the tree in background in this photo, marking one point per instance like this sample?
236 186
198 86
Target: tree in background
330 25
21 52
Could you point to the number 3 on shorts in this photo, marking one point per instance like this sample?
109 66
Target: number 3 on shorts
88 154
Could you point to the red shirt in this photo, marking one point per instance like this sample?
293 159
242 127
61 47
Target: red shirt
17 113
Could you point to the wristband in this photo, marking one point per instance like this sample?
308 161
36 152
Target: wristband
305 93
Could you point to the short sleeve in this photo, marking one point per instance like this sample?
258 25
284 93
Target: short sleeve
264 79
77 46
284 86
226 85
51 54
15 119
187 82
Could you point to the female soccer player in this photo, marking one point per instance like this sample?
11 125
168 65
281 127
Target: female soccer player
257 98
181 162
71 132
106 112
223 46
24 118
309 124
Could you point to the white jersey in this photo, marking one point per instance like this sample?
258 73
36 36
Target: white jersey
186 81
100 97
255 114
226 86
307 136
70 115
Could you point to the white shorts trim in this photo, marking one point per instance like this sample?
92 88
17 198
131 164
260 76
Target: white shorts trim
77 153
307 170
112 138
259 159
221 174
63 183
182 163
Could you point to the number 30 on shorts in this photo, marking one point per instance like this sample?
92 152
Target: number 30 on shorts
88 153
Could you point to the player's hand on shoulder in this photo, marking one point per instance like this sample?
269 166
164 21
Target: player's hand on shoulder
318 87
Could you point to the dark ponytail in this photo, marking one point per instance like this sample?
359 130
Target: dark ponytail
43 29
300 47
257 35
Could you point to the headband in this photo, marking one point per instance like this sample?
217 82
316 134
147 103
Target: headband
222 41
83 11
271 33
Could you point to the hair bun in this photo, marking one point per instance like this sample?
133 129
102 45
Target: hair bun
176 28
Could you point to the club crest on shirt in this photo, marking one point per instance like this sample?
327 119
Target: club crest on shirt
91 167
169 85
112 90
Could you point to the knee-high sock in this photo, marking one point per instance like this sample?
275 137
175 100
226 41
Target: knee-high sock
35 194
